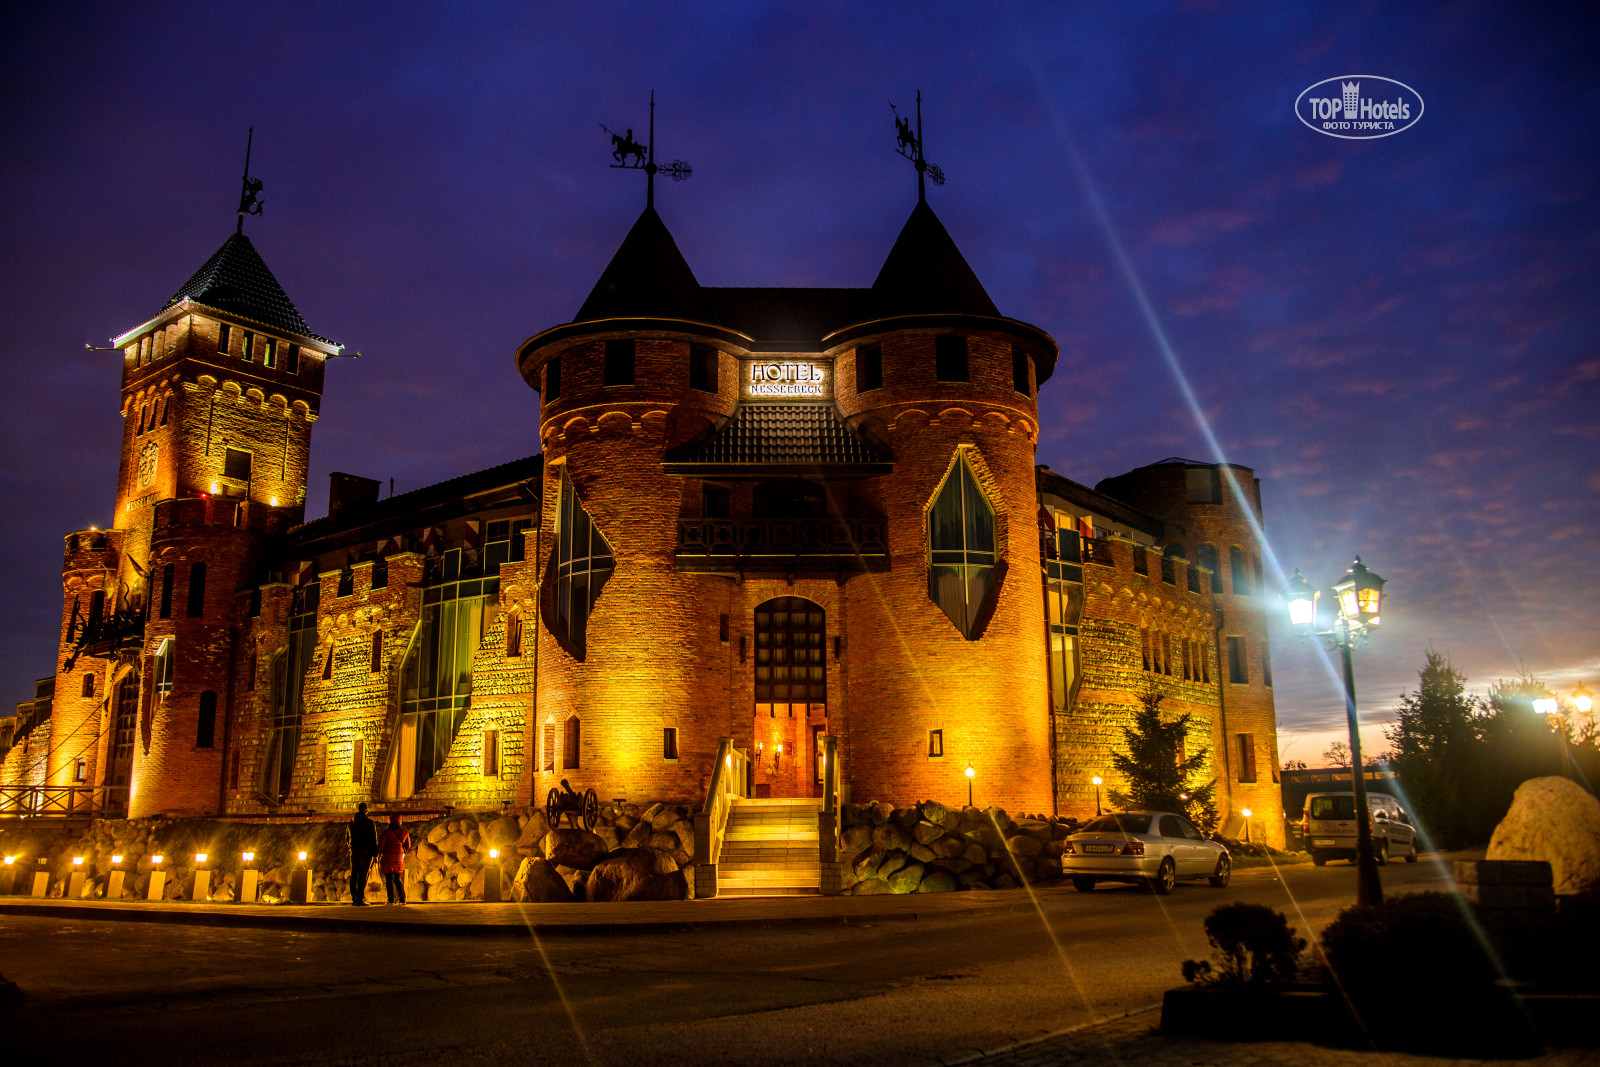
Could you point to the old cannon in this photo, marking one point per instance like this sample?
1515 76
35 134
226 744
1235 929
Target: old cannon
567 801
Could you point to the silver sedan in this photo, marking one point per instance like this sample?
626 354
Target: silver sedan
1154 847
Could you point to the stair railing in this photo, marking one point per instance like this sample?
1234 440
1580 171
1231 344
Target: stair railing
728 778
828 817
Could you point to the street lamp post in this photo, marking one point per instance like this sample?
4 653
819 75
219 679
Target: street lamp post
970 775
1358 598
1097 780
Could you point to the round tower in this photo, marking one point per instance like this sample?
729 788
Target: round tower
1213 516
950 640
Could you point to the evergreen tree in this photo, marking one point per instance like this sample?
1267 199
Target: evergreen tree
1157 773
1436 743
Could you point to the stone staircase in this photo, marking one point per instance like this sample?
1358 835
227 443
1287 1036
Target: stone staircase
770 849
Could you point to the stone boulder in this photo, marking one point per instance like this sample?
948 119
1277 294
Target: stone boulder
1557 821
855 838
907 878
502 833
1024 847
937 813
937 881
880 812
537 882
872 887
637 837
533 830
926 833
577 881
578 849
636 874
891 835
893 860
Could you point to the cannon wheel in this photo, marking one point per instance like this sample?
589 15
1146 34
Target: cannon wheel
591 810
552 807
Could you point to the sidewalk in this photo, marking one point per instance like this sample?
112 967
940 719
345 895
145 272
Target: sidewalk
1136 1039
466 919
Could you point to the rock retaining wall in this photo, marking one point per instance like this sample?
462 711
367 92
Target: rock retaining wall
934 849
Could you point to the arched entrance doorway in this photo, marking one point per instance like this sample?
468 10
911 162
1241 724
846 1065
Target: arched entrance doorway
791 697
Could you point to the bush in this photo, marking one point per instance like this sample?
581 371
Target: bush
1411 941
1251 944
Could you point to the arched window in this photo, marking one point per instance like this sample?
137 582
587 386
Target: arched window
791 667
88 685
1239 565
570 737
583 563
166 652
961 550
1175 551
513 633
1208 560
126 716
206 730
196 607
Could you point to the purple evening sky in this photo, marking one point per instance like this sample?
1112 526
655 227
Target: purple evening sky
1399 335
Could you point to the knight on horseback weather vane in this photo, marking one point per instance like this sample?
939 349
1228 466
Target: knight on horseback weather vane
909 144
624 148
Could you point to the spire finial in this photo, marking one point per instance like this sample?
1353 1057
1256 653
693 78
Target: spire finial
909 144
250 202
624 148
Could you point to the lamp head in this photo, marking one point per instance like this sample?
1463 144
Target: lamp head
301 856
155 861
115 860
1302 601
77 861
970 772
199 857
1097 779
1360 594
1246 812
248 857
1582 699
1545 705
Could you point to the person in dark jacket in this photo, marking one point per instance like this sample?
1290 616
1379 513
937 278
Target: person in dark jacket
393 845
363 850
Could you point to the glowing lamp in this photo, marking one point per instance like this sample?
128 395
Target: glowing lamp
1302 601
1246 812
301 856
494 853
1545 705
10 860
780 748
214 487
1360 594
1096 779
77 861
272 500
970 772
155 861
114 860
1582 699
199 857
248 857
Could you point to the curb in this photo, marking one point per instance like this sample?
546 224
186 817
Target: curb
1027 1042
514 927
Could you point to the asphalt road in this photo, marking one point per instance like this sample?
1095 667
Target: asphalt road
896 991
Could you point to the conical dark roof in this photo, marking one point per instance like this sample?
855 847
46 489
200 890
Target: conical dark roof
927 274
236 280
647 278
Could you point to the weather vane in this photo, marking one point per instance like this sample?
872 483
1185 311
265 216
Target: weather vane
624 148
250 202
909 144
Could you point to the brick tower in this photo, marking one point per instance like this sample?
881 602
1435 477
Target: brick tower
1214 512
219 390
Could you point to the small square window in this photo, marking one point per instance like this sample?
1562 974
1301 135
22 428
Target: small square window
491 753
236 465
619 362
935 743
869 367
224 338
669 742
1020 379
80 772
703 368
950 358
291 360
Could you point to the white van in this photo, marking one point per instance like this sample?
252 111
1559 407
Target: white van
1328 828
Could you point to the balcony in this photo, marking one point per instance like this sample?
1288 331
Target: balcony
63 801
782 546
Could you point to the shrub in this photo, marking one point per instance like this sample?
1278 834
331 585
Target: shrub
1411 941
1251 943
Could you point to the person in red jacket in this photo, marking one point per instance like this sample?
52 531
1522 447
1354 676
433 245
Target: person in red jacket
393 845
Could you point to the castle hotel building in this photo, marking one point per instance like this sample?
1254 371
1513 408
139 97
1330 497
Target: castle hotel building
765 514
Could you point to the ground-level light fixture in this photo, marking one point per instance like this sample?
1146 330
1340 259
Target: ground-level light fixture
199 857
115 860
248 857
494 853
1246 812
77 861
971 774
1097 780
301 857
155 861
10 860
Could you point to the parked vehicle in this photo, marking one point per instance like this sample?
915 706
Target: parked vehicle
1328 828
1153 847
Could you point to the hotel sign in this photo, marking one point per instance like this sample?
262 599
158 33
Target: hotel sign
787 379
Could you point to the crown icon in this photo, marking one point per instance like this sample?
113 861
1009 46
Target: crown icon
1352 97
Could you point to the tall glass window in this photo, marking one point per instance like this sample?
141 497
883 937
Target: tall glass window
438 672
288 692
583 563
961 547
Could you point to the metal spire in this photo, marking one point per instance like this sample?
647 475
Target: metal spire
624 147
909 144
250 202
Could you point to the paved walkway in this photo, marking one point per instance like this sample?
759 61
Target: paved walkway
523 920
1136 1040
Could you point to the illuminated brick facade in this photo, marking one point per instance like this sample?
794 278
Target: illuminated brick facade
762 514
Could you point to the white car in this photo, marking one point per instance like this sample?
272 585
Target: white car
1154 847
